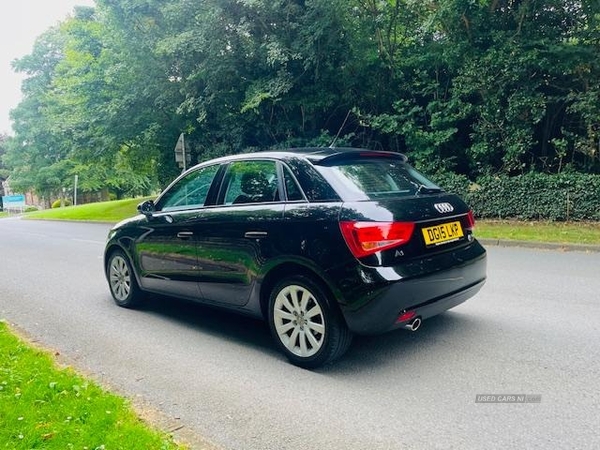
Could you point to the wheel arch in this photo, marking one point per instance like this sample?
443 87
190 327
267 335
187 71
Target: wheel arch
111 248
289 269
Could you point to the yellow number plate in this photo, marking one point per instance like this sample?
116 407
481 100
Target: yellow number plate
442 234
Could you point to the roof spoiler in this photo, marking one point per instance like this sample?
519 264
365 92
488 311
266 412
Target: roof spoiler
344 154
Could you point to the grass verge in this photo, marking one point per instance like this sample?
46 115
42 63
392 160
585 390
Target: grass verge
583 233
42 406
3 214
114 211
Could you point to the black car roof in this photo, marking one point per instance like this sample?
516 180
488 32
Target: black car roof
316 155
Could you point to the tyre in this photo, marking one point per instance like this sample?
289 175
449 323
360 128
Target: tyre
306 324
121 280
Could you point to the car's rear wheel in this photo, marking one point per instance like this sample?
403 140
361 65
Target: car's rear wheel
306 326
121 279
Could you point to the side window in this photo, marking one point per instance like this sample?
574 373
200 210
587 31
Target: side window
190 191
313 184
291 187
251 182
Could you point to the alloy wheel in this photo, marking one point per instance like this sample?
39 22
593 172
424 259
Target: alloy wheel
299 321
120 278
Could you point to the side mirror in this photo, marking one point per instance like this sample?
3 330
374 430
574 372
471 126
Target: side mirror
147 208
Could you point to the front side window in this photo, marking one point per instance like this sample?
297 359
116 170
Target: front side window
189 192
251 182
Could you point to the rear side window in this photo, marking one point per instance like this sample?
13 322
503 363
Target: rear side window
372 178
314 186
251 182
291 187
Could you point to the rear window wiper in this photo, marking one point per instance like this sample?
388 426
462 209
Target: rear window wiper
428 190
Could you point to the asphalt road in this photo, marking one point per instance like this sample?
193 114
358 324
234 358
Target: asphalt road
534 329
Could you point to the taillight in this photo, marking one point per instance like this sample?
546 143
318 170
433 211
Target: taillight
366 238
470 220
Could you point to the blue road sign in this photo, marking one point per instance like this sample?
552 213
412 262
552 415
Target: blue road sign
13 201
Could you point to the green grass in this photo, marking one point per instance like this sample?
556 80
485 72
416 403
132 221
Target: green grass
3 214
42 406
114 211
587 233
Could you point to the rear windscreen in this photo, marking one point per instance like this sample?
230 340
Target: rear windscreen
374 178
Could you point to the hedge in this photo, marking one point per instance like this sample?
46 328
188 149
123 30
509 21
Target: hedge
533 196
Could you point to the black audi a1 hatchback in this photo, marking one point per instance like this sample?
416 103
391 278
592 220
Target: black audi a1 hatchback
323 243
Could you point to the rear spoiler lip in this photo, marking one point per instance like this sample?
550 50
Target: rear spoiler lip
354 154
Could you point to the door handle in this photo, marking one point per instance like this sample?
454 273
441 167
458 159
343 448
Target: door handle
185 234
255 234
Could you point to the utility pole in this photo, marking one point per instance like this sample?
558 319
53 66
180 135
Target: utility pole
183 149
75 190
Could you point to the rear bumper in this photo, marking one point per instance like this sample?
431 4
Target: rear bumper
457 276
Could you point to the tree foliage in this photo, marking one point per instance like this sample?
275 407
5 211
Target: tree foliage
4 172
472 86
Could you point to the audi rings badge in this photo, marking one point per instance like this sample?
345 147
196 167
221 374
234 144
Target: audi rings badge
444 208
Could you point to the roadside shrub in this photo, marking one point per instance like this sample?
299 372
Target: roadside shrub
31 208
533 196
455 183
56 203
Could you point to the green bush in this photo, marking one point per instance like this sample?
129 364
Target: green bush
533 196
57 203
30 208
451 182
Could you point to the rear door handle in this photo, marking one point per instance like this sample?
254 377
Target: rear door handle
185 234
255 234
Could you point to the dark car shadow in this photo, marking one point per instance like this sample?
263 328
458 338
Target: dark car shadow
365 353
226 325
403 348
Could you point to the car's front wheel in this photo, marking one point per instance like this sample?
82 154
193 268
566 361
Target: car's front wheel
121 280
306 326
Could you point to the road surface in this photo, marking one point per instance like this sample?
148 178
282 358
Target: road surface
534 329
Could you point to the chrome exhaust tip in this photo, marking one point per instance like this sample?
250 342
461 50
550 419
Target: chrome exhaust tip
414 324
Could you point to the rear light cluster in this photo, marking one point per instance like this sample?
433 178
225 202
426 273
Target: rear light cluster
366 238
470 221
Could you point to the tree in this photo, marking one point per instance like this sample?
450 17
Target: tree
64 122
501 86
476 87
4 171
